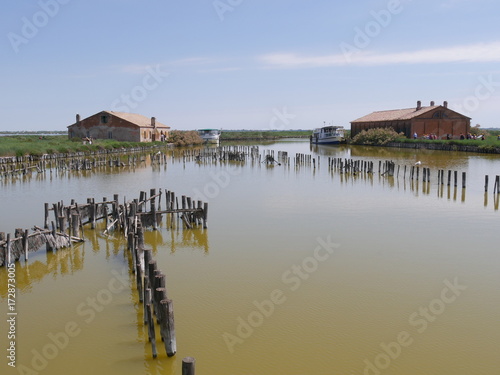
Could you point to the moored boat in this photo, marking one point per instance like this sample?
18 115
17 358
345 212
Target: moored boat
328 135
210 135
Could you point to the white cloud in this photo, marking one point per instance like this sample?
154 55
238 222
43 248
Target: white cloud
480 52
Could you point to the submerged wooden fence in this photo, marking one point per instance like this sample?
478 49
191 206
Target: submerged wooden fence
63 225
131 218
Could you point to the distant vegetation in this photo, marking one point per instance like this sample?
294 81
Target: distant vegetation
28 132
263 134
184 138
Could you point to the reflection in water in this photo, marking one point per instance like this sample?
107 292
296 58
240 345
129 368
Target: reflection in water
59 263
174 238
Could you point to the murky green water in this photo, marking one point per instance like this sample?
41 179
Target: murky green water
301 271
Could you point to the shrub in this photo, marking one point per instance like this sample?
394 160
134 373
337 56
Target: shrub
377 136
184 138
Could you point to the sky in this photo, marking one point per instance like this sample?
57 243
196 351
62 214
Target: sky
245 64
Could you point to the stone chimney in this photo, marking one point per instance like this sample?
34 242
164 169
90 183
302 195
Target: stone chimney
432 103
419 105
77 118
153 122
445 104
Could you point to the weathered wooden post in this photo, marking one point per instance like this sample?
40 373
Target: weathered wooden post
152 193
167 328
464 180
140 238
138 275
93 211
55 208
486 183
205 215
142 199
146 298
7 251
46 220
188 366
105 211
26 245
75 225
151 329
62 223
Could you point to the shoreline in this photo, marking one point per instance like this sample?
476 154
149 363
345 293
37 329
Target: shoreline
481 149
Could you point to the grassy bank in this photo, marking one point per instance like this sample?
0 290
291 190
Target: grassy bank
21 145
490 143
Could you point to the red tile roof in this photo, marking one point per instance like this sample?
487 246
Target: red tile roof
395 114
137 119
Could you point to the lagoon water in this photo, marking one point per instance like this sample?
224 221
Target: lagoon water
302 270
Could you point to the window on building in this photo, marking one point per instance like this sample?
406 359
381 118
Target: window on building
110 135
88 134
104 119
438 114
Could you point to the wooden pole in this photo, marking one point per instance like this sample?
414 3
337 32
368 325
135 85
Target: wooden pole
167 328
152 193
93 213
464 177
188 366
75 225
151 330
25 245
7 259
486 183
46 220
146 298
138 275
205 215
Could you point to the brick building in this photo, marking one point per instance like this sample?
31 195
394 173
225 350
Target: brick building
121 126
433 119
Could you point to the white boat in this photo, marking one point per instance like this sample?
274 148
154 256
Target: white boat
328 135
209 135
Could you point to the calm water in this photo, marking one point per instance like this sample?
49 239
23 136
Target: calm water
301 271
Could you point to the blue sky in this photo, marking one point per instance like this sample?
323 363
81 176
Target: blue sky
246 64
